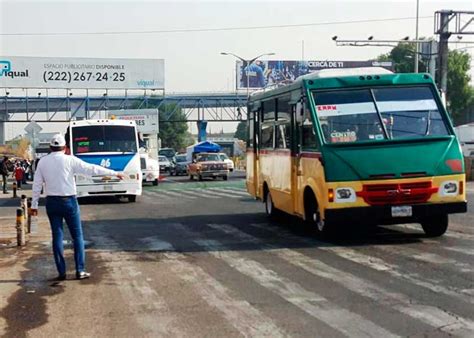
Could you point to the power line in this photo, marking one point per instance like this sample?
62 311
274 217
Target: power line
328 23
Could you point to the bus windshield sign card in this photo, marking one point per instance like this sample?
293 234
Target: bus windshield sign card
402 211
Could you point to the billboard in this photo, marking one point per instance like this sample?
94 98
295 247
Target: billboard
263 73
81 73
146 119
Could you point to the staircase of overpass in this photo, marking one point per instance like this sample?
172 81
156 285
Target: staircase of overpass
212 107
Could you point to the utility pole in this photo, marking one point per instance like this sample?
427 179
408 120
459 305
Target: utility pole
462 26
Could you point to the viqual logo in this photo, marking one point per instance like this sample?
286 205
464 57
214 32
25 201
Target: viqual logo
6 70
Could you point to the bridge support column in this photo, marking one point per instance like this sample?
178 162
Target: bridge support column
2 132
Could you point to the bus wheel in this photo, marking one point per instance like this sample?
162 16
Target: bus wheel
191 177
435 226
200 178
312 215
132 198
269 206
225 177
155 182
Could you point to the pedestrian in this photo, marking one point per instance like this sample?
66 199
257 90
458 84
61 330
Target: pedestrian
56 170
4 172
18 174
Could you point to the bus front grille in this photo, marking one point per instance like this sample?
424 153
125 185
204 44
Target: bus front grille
403 193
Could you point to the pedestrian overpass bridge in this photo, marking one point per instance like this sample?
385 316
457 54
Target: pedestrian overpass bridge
211 107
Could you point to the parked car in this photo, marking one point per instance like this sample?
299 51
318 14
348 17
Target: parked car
165 164
227 160
169 153
179 165
150 169
208 165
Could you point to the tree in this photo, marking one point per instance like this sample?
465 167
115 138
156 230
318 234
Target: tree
459 94
173 127
241 132
403 58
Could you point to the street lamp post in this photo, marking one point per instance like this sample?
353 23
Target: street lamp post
247 64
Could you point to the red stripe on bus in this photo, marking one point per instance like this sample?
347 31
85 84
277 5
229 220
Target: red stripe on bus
310 155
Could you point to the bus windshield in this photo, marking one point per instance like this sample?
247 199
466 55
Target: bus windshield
378 114
95 139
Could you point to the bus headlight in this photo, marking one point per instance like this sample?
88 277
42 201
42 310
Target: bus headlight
345 195
449 188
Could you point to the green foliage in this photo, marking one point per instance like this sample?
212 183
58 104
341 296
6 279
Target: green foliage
241 132
403 57
173 134
460 94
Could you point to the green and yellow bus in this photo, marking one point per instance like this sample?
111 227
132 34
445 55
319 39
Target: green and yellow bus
356 146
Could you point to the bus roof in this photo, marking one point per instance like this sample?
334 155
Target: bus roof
340 78
102 122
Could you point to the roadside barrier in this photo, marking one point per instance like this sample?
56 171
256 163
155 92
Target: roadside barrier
20 227
14 190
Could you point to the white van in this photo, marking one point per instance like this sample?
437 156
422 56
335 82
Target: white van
150 169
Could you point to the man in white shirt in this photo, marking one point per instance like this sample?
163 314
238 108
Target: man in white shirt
56 171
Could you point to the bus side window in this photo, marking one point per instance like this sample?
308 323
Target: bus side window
268 124
283 126
308 135
250 129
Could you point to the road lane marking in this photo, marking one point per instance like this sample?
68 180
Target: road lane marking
217 193
170 194
340 319
422 256
230 191
136 292
464 251
199 194
373 263
239 313
450 233
428 314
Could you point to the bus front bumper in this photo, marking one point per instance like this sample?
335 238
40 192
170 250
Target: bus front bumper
117 189
383 214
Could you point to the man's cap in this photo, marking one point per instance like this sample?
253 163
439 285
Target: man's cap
57 141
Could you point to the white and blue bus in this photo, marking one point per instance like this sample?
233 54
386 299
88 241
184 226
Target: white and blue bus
112 144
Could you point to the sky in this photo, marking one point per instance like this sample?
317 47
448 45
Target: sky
192 58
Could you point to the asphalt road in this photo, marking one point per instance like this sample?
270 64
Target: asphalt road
200 259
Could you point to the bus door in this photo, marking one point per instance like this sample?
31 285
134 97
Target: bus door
252 153
296 167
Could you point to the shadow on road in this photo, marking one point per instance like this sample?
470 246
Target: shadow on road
145 234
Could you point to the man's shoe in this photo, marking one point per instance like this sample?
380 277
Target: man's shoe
59 278
82 275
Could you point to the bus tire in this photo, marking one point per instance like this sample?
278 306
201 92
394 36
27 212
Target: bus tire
132 198
155 182
199 177
225 177
270 209
435 226
191 178
312 215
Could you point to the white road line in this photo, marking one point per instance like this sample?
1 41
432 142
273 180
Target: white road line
464 251
428 314
199 194
230 191
340 319
217 193
170 194
427 257
136 292
375 264
450 233
249 321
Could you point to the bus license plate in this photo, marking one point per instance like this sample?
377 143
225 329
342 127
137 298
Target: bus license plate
108 188
402 211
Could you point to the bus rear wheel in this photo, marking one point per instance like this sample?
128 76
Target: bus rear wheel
132 198
435 226
155 182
